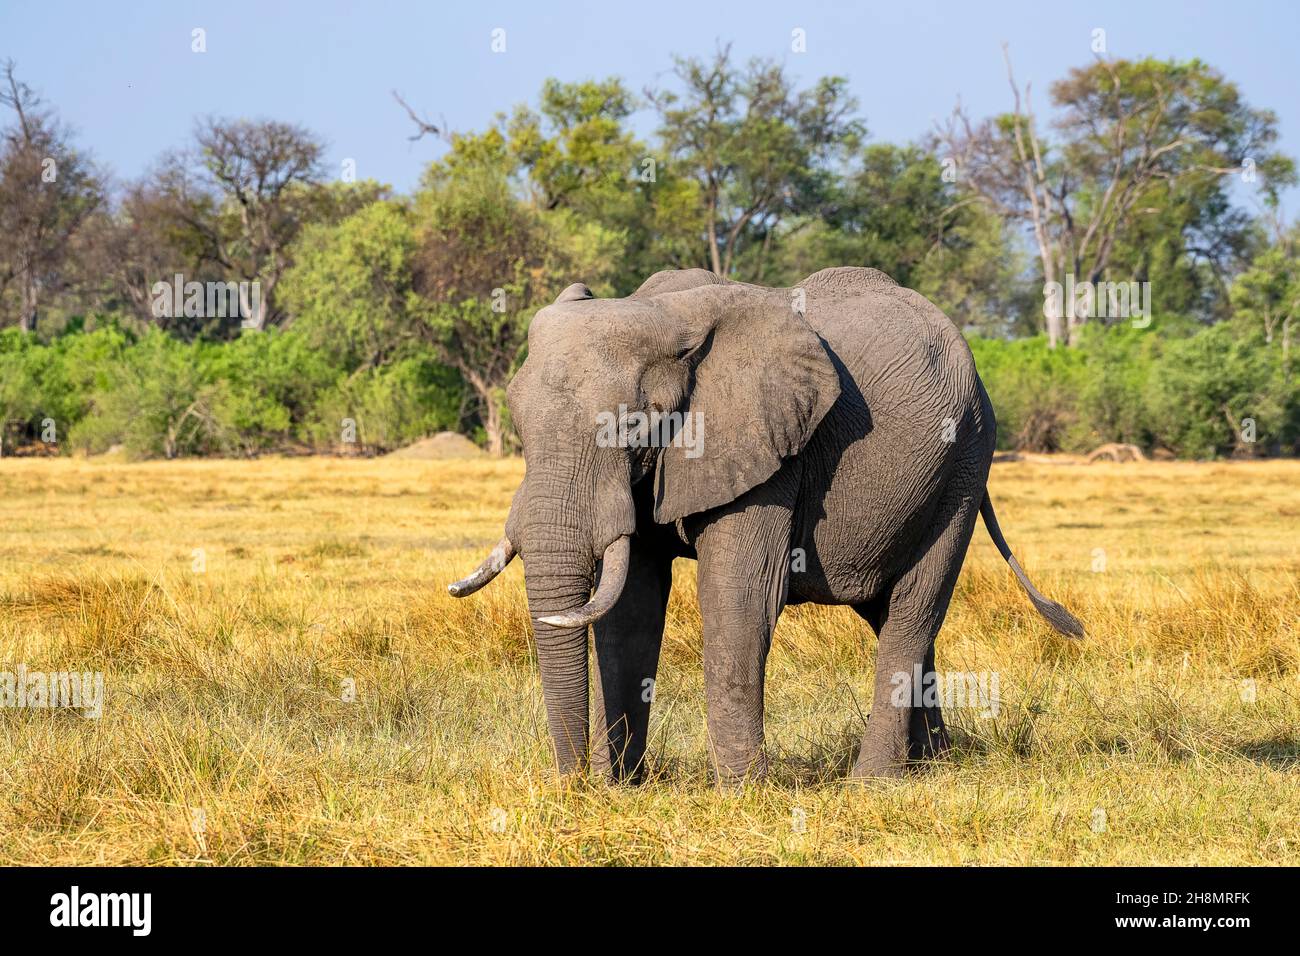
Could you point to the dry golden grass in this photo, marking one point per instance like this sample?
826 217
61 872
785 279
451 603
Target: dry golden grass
226 737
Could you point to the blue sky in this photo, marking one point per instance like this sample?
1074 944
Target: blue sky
124 76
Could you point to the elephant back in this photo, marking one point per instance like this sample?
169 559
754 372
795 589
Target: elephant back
847 280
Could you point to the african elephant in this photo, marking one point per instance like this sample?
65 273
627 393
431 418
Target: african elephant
827 443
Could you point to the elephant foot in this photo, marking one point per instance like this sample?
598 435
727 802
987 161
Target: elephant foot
618 771
883 753
891 759
868 770
928 737
736 774
618 777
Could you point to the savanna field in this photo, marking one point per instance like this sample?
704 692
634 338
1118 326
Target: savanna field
287 681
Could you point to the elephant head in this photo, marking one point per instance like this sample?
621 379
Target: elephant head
698 385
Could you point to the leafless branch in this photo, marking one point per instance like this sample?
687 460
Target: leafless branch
423 127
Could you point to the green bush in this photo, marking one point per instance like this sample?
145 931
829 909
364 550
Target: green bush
158 402
1113 401
1190 393
273 382
159 397
1035 391
19 385
1197 392
389 407
46 389
1214 388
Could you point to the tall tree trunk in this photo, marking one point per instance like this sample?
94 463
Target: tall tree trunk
489 402
30 298
494 427
1286 349
715 258
1056 318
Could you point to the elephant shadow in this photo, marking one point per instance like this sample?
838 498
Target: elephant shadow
847 423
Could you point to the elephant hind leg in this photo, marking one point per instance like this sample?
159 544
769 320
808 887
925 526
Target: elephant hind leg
902 725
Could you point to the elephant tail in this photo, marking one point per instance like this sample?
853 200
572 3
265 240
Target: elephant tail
1061 620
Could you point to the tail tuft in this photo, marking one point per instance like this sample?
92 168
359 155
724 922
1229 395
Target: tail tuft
1062 621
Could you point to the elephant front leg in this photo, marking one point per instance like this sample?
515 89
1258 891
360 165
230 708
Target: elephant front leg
734 669
627 642
742 576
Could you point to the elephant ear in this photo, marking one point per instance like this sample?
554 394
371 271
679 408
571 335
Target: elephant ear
761 381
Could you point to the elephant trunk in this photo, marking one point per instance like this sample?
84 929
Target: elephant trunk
559 581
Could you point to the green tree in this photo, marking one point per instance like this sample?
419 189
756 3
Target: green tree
390 406
1266 296
273 384
576 149
576 153
758 150
487 259
1221 392
350 289
1135 141
895 212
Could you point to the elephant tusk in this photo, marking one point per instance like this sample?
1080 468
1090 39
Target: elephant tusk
613 575
492 565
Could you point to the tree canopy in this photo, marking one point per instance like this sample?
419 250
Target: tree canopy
370 317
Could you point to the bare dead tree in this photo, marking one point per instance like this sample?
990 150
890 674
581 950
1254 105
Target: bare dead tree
48 189
266 172
1126 130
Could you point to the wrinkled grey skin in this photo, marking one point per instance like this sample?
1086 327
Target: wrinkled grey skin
857 432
